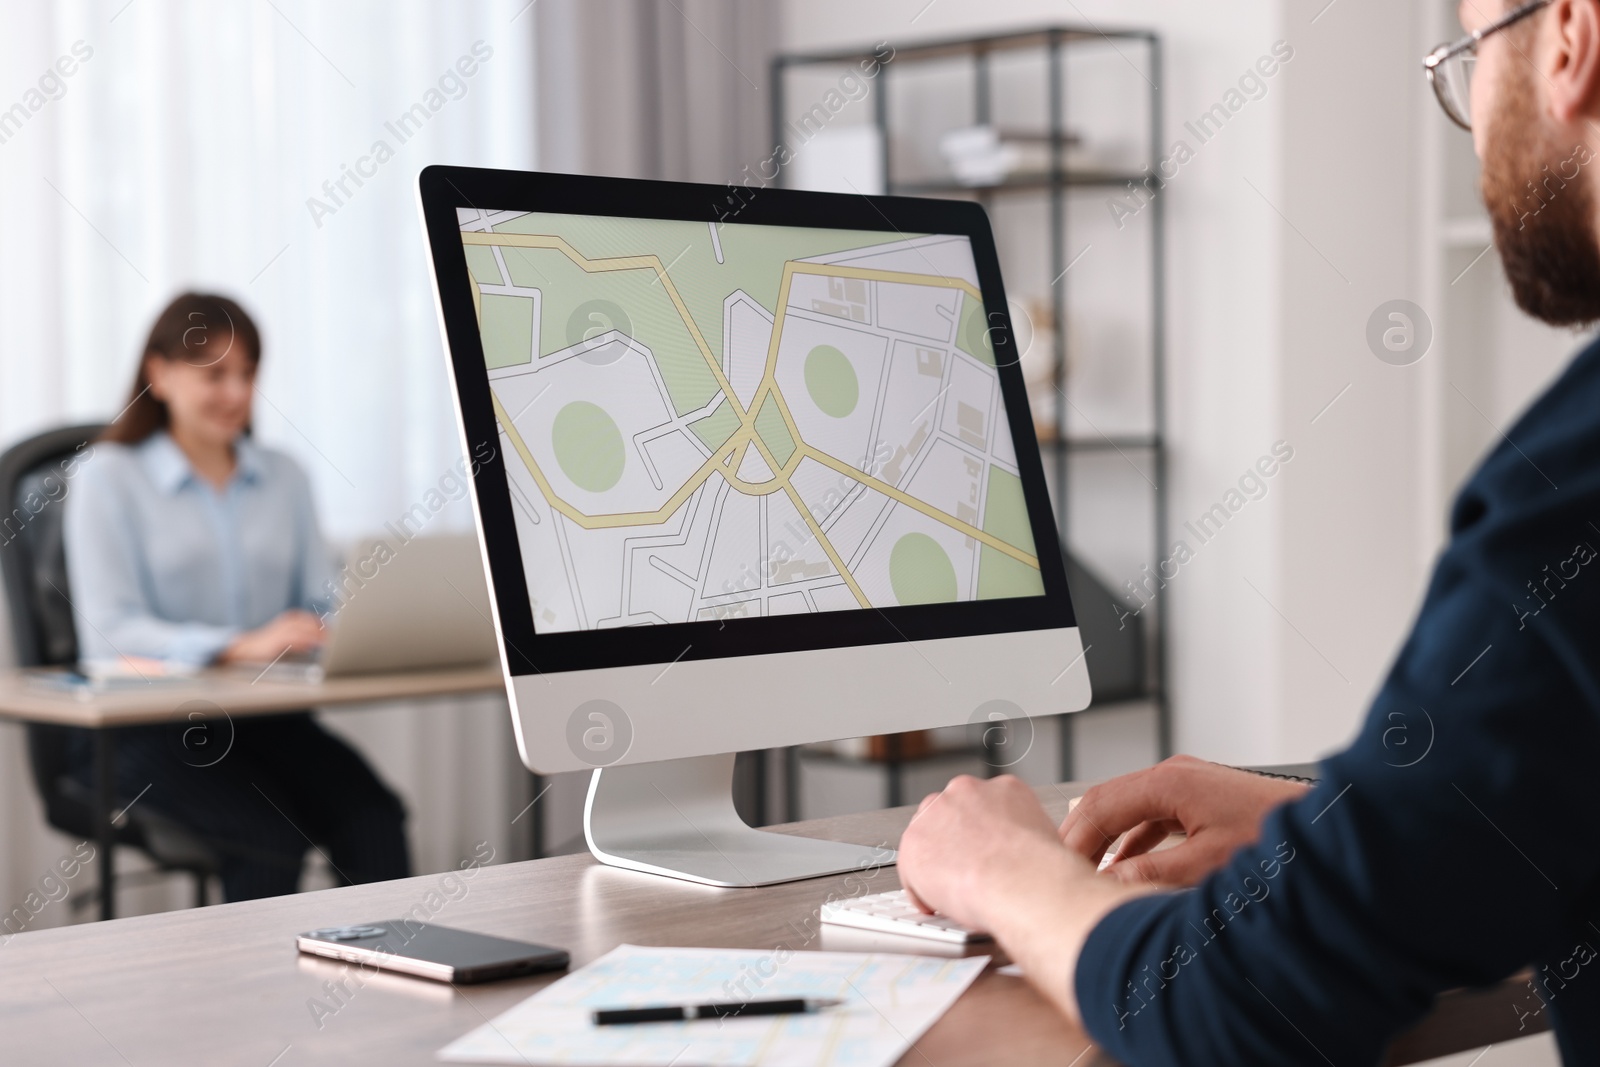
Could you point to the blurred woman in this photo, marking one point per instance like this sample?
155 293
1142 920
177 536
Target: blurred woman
187 542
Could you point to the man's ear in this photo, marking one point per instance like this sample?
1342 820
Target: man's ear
1573 66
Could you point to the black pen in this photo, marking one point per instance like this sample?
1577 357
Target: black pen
679 1012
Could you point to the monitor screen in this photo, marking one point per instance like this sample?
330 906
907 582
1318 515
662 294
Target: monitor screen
706 421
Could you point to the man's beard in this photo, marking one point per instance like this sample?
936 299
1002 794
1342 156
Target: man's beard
1546 241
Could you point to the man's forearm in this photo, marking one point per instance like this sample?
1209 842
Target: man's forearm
1041 910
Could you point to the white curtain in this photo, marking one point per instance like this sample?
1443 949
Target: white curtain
268 150
673 89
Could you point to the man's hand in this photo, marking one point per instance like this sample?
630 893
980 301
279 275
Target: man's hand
969 835
292 631
1219 809
985 854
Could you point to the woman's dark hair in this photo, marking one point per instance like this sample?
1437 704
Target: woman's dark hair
198 328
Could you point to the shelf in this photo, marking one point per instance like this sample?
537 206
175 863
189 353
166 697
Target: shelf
1108 702
1027 183
1040 37
1023 135
820 755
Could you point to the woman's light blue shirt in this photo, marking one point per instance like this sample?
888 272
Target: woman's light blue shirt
164 564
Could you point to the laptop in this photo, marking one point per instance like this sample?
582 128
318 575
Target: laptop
415 605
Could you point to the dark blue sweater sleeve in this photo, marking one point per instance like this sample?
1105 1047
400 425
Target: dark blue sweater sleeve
1455 841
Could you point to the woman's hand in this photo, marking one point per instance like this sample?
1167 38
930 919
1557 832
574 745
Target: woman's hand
293 631
1219 809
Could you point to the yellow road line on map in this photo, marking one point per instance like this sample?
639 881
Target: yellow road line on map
917 505
615 263
827 546
874 274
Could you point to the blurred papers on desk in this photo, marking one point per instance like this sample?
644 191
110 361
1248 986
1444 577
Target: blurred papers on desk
889 1002
110 676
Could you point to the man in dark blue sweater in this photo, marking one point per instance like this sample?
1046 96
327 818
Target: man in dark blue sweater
1457 839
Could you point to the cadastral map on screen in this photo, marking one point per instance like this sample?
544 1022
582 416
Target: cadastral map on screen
708 421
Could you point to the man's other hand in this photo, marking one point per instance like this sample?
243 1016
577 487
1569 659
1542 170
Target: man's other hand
1219 809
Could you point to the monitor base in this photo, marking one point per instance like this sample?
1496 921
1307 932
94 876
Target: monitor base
676 818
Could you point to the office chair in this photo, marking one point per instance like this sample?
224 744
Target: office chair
33 562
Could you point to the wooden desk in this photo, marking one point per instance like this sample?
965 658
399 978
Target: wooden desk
234 694
225 985
221 694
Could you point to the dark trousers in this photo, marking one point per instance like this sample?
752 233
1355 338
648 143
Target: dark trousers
262 790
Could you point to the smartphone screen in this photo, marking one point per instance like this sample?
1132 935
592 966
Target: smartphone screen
428 951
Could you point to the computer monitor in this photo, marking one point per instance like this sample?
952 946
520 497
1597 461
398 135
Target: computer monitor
751 468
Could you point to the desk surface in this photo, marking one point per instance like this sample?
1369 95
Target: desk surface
224 984
228 691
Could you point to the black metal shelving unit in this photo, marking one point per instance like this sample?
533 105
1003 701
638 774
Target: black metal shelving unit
1056 184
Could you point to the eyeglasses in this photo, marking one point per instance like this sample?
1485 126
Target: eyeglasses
1450 66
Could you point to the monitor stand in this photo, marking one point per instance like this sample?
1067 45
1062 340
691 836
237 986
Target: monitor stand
677 818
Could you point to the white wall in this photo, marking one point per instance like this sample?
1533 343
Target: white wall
1349 568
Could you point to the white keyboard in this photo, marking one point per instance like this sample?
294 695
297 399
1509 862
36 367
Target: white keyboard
893 913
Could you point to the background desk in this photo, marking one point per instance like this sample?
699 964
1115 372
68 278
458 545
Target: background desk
225 985
212 695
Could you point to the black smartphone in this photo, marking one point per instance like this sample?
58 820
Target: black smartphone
427 951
